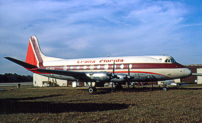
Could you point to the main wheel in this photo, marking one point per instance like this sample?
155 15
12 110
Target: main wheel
92 90
164 89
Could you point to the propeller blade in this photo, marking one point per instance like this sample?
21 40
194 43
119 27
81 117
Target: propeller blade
128 76
128 69
113 67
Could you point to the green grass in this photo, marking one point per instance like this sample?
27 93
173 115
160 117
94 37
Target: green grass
191 86
77 105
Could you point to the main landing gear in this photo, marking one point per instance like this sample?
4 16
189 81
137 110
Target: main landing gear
91 89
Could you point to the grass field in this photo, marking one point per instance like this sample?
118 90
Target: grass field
60 104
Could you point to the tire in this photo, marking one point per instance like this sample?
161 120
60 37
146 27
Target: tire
91 90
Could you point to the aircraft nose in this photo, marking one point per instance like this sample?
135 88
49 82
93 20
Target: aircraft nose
187 72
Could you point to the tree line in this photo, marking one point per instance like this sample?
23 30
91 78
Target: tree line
9 77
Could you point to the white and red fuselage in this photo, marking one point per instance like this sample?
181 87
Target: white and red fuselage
141 68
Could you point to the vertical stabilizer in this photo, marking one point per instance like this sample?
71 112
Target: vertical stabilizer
34 54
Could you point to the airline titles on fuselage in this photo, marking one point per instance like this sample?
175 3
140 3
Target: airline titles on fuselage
107 61
101 61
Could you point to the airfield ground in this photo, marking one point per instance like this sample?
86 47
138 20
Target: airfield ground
56 104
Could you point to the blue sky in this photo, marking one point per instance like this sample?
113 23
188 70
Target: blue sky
97 28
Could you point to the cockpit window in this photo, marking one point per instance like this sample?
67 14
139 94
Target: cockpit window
173 60
170 60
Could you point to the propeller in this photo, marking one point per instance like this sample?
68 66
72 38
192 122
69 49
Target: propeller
113 75
128 76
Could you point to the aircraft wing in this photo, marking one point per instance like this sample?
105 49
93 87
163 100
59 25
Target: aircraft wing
87 76
61 72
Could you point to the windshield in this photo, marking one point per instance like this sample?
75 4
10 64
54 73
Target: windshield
170 60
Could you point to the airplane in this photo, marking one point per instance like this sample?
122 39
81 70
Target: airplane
104 69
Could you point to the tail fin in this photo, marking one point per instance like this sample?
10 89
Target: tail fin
34 54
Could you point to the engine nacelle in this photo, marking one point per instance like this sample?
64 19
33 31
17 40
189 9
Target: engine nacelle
119 78
98 77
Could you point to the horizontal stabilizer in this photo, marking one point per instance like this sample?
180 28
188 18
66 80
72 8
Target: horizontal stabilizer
24 64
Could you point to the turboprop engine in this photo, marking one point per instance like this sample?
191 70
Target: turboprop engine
99 77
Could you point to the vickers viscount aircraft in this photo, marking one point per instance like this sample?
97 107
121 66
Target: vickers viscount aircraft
103 69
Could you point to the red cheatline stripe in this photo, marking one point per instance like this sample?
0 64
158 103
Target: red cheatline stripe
139 72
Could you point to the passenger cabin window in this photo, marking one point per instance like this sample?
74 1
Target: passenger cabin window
84 67
130 66
98 67
65 68
121 66
92 67
77 67
71 67
106 66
